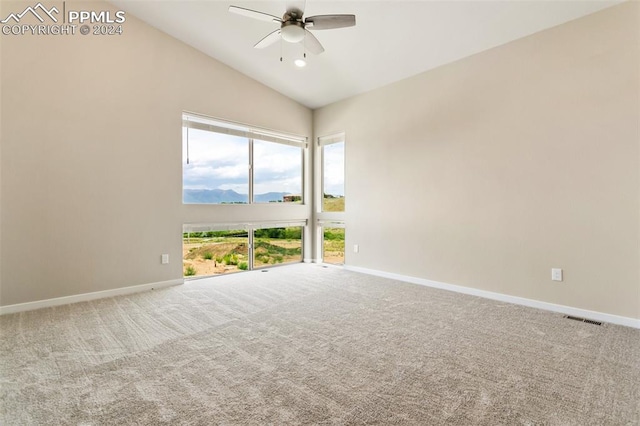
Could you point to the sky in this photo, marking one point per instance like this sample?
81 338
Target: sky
222 161
333 169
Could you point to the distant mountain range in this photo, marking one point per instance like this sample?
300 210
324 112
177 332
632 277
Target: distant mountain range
227 196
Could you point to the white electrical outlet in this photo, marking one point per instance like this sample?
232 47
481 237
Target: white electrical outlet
556 274
356 248
165 259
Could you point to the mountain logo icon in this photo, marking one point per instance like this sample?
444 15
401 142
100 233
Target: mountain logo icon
38 11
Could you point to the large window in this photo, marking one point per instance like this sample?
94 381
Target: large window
332 153
216 249
277 173
215 169
225 163
215 252
333 243
273 246
330 214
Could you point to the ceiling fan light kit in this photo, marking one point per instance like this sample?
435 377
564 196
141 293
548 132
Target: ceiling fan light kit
292 31
295 29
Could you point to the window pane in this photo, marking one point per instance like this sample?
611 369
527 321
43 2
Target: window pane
333 177
333 245
277 245
218 168
215 252
277 173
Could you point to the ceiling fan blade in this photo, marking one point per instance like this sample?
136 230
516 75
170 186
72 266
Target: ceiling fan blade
271 38
254 14
329 22
311 43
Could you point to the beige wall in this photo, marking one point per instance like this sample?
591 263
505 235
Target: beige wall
490 171
484 173
91 169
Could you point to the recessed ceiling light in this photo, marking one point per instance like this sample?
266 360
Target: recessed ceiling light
300 63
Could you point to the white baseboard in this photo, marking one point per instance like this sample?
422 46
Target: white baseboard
29 306
567 310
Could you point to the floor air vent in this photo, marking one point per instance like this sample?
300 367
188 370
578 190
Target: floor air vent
588 321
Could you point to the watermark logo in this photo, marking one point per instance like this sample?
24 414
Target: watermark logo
16 17
43 20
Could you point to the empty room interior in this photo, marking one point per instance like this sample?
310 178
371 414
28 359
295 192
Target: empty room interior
320 212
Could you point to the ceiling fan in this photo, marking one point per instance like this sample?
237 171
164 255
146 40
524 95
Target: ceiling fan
294 28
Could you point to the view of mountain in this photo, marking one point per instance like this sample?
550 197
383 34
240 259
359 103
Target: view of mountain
227 196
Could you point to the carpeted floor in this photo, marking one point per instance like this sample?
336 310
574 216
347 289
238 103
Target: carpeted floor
308 345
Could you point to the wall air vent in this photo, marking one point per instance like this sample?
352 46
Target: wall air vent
588 321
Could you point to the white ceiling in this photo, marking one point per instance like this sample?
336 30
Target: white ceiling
392 40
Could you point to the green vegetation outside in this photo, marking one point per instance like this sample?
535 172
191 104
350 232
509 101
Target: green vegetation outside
221 252
333 245
332 203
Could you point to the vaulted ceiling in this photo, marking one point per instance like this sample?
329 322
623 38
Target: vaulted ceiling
392 40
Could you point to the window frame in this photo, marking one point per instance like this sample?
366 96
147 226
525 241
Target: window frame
250 228
272 225
252 134
322 224
322 217
322 142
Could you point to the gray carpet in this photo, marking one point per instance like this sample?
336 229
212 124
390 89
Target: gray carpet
304 344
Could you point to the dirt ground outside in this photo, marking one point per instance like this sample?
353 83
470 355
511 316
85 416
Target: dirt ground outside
333 246
194 255
216 256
